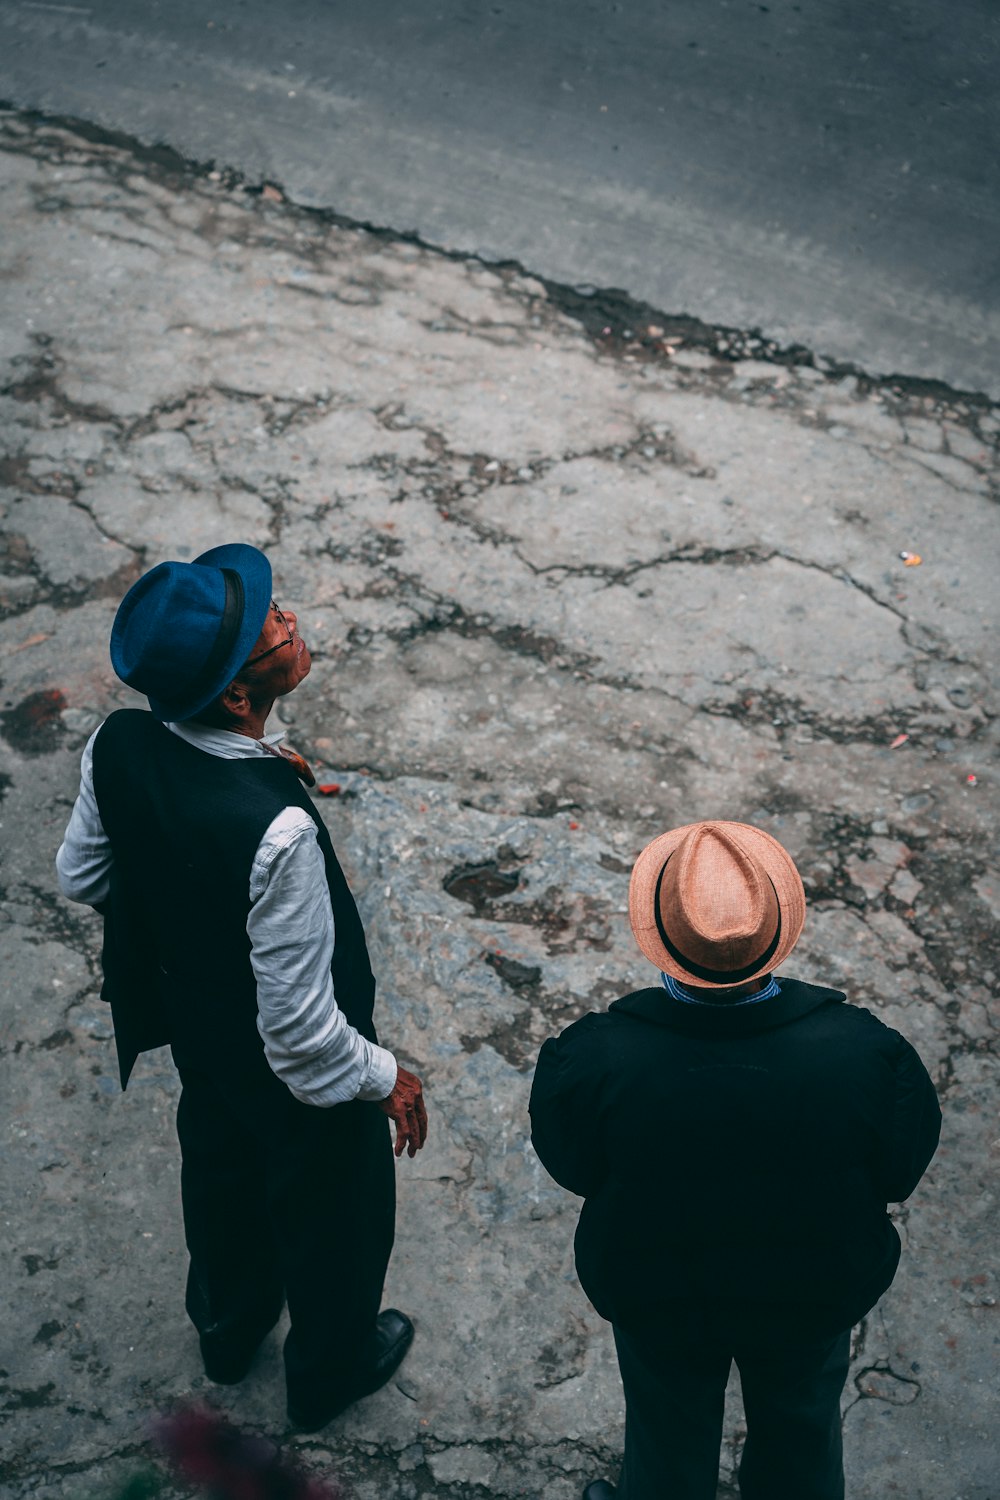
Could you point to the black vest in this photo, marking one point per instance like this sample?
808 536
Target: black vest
184 827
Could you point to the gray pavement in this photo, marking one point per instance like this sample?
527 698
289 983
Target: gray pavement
563 591
828 173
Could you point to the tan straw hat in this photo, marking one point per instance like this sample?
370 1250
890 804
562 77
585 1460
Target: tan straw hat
716 904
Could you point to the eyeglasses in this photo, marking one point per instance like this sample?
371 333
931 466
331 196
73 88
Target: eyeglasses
271 649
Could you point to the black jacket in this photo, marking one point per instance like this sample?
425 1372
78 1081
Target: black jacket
743 1152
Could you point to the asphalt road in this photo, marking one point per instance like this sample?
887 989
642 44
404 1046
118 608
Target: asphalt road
826 172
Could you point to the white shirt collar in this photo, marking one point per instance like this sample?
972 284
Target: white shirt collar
225 743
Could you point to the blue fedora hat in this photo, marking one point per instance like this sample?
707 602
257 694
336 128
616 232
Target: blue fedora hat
183 631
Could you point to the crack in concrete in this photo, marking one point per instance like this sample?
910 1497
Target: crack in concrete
408 1471
41 383
488 474
784 712
745 556
485 329
907 453
27 1467
878 1381
58 920
617 323
448 615
753 708
788 715
64 597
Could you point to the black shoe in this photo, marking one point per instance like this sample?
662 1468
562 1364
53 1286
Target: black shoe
392 1337
228 1362
599 1490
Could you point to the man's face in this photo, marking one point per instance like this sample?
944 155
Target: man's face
280 659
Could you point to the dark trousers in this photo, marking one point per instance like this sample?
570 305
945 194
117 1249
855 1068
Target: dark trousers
675 1385
283 1200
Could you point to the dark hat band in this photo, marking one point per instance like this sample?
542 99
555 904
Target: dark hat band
714 976
229 629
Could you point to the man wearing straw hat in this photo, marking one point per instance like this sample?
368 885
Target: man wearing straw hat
736 1138
231 934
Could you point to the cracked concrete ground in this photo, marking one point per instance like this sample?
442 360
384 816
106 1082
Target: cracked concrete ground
567 583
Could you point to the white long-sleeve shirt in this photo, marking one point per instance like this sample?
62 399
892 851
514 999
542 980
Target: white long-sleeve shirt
308 1041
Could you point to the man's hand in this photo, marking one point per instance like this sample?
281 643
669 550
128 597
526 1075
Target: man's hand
405 1105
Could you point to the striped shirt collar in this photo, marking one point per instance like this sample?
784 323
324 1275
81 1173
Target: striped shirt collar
675 992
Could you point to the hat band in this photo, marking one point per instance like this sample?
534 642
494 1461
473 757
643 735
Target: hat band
714 976
229 629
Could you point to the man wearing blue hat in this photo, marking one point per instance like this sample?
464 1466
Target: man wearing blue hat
231 934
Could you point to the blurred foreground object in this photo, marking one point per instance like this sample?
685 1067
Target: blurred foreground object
204 1449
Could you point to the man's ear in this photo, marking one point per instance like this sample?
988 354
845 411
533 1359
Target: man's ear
234 700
